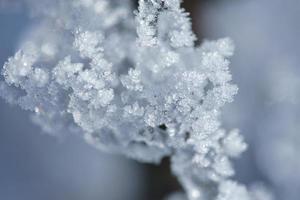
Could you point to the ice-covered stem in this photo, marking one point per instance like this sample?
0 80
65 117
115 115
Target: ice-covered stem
139 88
158 20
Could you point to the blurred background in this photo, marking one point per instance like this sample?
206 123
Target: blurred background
36 166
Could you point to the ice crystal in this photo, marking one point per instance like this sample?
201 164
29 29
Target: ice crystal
131 84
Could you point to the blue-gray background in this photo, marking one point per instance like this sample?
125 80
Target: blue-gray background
36 166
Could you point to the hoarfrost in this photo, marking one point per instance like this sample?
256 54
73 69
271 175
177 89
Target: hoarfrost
87 69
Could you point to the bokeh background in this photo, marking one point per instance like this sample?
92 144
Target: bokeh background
36 166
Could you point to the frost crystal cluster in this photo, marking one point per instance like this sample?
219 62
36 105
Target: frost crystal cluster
131 83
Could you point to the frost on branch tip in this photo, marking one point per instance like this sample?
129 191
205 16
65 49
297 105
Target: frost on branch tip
94 68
